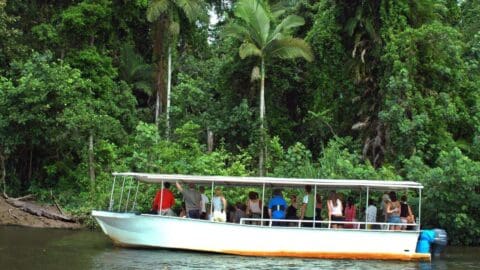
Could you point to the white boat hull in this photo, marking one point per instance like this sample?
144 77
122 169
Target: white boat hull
128 229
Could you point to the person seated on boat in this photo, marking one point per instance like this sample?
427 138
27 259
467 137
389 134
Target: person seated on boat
393 210
254 207
292 210
219 204
239 212
371 214
350 213
192 200
277 207
335 210
204 203
308 206
164 201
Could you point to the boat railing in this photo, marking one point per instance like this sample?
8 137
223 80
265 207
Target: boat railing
326 224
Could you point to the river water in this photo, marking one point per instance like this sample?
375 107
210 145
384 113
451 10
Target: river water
28 248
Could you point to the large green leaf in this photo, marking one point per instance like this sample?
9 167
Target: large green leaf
289 48
236 31
255 18
156 8
193 9
286 25
249 49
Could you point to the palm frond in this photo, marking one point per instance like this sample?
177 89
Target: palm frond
249 49
351 25
289 48
193 9
236 31
156 8
174 28
256 18
287 24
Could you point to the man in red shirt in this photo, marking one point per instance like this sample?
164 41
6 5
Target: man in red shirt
164 201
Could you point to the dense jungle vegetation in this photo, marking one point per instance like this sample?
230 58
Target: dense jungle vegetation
362 89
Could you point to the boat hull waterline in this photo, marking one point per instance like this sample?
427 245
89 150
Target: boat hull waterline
154 231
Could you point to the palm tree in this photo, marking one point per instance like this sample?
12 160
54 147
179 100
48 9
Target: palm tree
134 70
166 16
260 37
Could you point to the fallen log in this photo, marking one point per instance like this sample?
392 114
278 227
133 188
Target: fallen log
24 198
37 210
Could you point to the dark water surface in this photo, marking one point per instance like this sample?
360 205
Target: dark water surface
27 248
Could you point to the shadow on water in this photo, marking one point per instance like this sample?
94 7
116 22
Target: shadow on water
26 248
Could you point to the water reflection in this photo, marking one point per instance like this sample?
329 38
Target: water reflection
25 248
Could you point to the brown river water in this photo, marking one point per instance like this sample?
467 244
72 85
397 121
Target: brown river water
28 248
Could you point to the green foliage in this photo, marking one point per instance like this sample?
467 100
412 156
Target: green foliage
427 114
87 21
394 87
10 49
451 194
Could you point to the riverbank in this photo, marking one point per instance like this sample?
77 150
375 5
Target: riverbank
11 215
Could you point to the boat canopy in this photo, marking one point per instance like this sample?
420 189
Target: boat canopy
271 181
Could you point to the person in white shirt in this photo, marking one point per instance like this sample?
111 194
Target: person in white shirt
203 203
371 214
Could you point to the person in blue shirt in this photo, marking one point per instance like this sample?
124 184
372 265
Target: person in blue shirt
277 207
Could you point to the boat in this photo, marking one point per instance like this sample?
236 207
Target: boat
128 228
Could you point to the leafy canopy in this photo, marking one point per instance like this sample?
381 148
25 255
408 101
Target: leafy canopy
261 37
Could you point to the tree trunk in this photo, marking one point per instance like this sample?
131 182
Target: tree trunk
159 39
38 210
91 164
3 173
262 119
169 88
30 161
209 140
157 107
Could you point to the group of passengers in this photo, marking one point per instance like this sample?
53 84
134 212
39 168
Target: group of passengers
309 211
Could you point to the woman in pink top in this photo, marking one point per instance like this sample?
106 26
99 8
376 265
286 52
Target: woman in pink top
350 213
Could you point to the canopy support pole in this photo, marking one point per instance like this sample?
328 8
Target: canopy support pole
121 195
161 199
135 199
110 205
419 208
211 203
314 204
263 203
366 207
128 195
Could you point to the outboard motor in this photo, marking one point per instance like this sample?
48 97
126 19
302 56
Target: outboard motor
433 241
439 242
